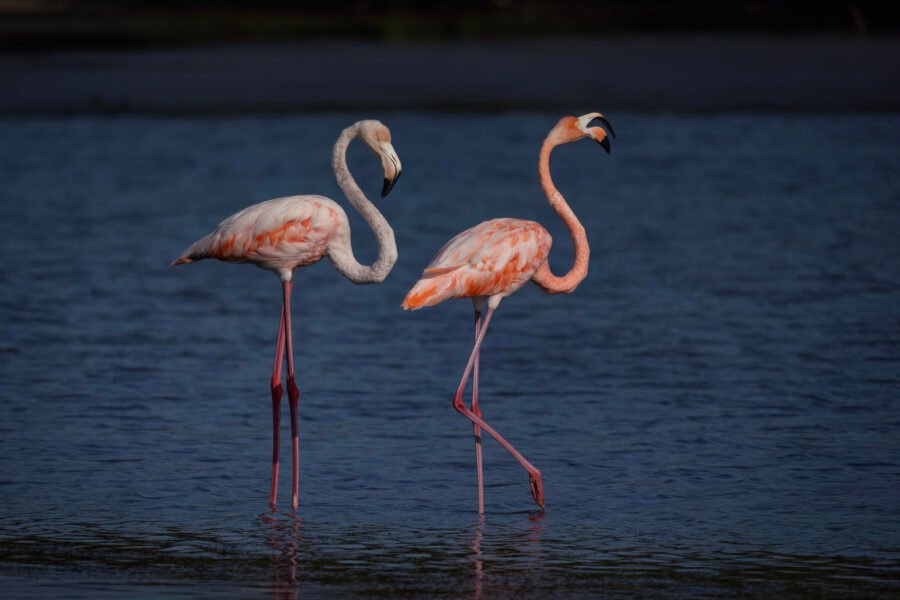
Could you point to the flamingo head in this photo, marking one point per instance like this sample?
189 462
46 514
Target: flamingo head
378 138
592 125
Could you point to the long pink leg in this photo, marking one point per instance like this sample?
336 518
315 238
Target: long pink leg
293 394
477 411
537 487
276 408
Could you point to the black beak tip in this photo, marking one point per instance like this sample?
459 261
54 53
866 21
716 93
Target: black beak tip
605 143
608 126
389 184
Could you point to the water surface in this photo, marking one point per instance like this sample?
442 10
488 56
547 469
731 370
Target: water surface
715 409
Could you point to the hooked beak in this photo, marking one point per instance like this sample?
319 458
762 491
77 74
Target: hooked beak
392 168
598 134
605 143
606 124
389 184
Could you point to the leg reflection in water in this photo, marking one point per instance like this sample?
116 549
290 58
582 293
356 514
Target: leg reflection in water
476 560
508 554
283 537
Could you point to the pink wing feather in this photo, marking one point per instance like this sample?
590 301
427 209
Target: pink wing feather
276 234
496 257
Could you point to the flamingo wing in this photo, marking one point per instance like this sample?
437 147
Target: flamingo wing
277 234
496 257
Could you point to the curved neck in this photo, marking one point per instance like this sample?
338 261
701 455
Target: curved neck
342 254
545 278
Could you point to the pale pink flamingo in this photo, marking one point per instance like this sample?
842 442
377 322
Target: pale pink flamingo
285 233
494 259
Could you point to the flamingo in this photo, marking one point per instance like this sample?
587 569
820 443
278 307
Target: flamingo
494 259
283 234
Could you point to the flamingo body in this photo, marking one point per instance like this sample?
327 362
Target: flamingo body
495 258
278 235
283 234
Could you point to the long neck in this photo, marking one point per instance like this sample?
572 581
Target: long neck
342 254
550 283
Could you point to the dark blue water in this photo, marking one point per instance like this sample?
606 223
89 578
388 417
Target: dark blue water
715 410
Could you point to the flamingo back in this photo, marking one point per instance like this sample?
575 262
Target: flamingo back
496 257
278 234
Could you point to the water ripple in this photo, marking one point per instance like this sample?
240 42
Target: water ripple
714 409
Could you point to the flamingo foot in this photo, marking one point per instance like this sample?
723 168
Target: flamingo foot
537 488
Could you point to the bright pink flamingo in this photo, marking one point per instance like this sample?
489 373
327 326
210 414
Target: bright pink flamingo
494 259
283 234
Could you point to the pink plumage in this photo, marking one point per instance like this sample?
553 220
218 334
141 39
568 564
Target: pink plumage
280 234
494 258
286 233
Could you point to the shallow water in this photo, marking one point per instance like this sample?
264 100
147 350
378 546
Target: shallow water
715 409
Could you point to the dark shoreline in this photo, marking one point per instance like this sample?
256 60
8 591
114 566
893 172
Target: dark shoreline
641 73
